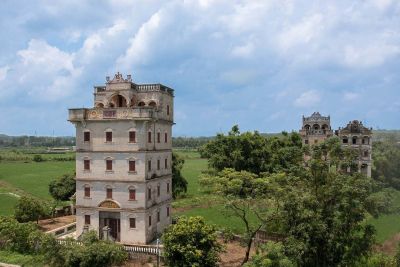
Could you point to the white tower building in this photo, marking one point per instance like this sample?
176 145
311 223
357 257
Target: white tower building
124 160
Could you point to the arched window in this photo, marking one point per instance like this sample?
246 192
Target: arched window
152 104
354 140
118 101
141 104
99 105
345 140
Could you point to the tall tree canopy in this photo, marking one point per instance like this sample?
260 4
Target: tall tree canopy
253 152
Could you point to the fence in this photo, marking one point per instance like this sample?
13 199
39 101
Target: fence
66 229
134 251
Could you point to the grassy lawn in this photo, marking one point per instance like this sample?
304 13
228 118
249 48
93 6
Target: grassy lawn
7 203
387 225
33 177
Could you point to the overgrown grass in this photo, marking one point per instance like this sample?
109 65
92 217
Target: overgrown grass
20 259
7 203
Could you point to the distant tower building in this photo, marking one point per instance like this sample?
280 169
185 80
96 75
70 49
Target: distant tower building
124 160
358 137
316 129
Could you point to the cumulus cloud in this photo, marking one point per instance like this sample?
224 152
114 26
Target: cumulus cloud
307 99
214 53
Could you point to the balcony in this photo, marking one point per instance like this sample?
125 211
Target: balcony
94 114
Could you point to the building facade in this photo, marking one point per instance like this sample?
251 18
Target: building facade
124 161
358 137
316 129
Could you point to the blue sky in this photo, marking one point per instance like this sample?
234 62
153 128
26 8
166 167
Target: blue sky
260 64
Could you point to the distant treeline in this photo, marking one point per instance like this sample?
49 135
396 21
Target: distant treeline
36 141
177 142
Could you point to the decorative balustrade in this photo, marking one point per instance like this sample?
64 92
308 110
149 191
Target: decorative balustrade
64 230
112 113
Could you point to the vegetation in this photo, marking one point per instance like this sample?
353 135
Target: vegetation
270 254
63 188
386 156
191 242
92 252
179 183
29 209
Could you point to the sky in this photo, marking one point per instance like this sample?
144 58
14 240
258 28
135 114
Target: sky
261 64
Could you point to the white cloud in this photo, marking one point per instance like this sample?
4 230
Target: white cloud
3 72
307 99
349 96
371 55
301 33
139 50
243 51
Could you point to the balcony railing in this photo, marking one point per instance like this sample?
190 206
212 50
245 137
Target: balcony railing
111 113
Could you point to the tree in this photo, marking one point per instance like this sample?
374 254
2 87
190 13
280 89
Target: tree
179 183
246 197
253 152
323 211
191 242
29 209
386 158
63 188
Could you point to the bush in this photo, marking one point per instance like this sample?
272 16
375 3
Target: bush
38 158
270 254
19 237
93 252
191 242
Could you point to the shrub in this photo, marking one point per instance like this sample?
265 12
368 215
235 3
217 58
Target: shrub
191 242
38 158
19 237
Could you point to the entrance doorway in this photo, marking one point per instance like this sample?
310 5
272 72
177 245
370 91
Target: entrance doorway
112 220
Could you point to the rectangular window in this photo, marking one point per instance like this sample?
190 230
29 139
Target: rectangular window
167 109
306 142
149 137
158 190
167 187
132 222
109 193
149 220
87 219
109 165
86 136
132 137
148 193
87 191
132 166
132 194
86 165
166 163
158 164
167 211
165 137
158 137
149 165
108 136
158 216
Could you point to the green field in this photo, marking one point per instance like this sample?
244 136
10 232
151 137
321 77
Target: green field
33 178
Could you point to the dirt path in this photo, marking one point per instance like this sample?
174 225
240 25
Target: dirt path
50 224
389 246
